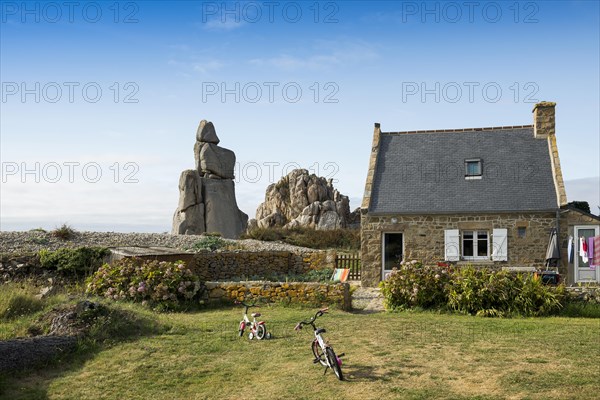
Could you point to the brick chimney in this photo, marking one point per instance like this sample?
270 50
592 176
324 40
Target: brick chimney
544 120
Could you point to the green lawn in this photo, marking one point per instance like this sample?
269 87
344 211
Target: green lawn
388 356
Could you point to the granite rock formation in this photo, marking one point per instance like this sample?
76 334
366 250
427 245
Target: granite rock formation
301 199
207 194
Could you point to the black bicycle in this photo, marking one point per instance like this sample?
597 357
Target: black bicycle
321 349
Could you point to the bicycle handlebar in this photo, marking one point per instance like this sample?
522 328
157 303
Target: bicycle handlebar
312 320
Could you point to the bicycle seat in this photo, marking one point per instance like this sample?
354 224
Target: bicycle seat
255 314
321 330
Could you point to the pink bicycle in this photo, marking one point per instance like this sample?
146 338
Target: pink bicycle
321 349
258 329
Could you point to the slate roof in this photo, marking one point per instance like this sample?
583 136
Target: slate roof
424 172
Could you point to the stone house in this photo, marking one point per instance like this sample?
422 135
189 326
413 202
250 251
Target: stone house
481 196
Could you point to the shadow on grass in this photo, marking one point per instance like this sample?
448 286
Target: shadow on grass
109 327
361 373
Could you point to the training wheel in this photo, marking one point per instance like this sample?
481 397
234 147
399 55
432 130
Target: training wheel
251 336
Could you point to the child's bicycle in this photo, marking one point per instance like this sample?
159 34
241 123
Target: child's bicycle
258 329
322 350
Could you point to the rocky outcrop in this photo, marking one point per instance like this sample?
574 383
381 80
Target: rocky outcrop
207 194
301 199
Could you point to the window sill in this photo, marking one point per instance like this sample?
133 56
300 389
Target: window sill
475 262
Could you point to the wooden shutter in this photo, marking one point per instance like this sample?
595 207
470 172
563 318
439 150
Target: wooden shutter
451 245
500 245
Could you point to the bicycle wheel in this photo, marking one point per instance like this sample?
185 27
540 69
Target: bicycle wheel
334 364
318 352
261 331
241 329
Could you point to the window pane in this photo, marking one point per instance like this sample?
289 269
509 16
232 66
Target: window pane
468 248
473 168
468 234
482 235
482 247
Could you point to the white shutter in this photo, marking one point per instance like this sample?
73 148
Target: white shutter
499 245
452 245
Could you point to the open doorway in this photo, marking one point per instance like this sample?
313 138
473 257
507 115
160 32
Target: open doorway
393 252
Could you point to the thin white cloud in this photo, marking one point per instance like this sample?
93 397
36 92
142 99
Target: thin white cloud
326 55
219 25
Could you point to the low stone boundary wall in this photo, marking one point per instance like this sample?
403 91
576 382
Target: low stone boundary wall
223 266
293 292
587 294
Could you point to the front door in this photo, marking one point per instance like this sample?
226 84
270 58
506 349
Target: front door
583 271
393 250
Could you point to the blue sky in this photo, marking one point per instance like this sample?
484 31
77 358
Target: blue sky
301 89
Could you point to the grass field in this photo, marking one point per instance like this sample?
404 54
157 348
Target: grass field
388 356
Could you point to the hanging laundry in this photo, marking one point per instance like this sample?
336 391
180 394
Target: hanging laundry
570 250
590 251
596 260
583 249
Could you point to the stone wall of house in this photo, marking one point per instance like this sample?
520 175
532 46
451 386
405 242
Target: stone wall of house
568 220
244 265
318 294
424 238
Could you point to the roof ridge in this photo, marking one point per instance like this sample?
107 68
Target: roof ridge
490 128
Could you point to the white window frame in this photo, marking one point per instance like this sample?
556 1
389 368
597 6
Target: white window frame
475 243
576 267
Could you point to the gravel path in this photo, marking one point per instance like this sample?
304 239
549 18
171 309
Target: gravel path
35 240
367 300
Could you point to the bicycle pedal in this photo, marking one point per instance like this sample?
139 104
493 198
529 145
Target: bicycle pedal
341 355
316 360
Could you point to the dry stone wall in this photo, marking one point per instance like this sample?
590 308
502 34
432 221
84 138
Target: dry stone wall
293 292
222 266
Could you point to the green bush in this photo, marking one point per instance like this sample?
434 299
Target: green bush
65 232
162 284
487 292
476 291
307 237
415 285
211 243
83 260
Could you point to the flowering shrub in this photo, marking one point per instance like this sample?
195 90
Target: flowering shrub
160 283
414 285
478 291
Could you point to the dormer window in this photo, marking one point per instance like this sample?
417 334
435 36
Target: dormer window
473 168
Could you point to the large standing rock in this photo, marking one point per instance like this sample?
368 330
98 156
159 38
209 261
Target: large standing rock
301 199
207 133
190 191
189 221
207 194
222 213
217 161
189 216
